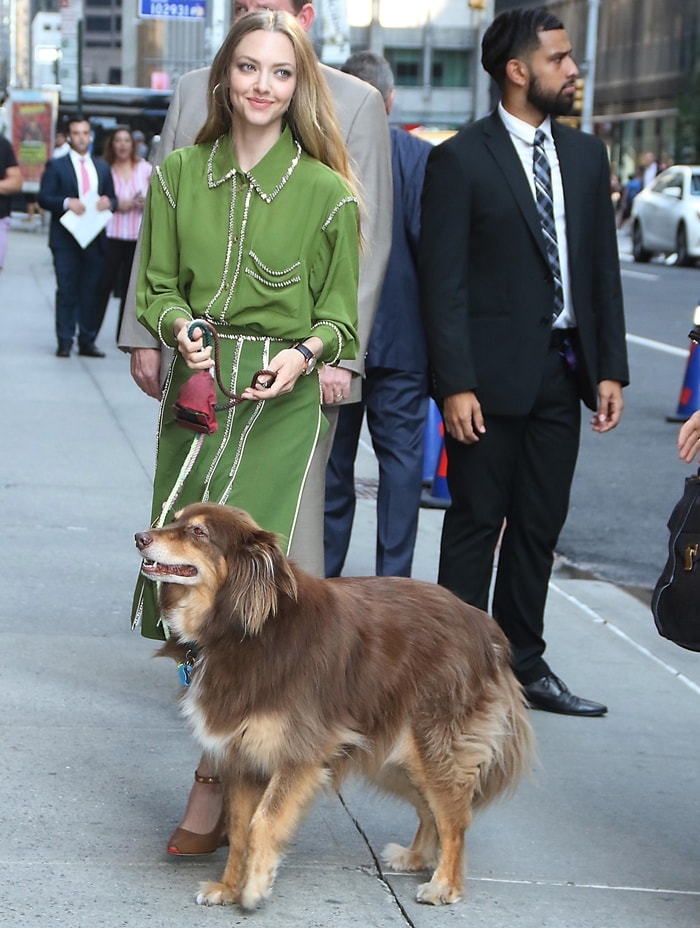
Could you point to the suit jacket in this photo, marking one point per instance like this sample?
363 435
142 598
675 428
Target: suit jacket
58 182
398 340
360 112
486 285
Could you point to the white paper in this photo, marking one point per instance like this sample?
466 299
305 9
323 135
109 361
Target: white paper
87 227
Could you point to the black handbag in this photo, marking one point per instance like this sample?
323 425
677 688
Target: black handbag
675 603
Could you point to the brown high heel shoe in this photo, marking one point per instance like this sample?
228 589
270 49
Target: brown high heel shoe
186 843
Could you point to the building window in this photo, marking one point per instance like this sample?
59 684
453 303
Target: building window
98 23
451 68
407 65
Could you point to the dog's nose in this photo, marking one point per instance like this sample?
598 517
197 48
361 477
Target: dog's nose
143 540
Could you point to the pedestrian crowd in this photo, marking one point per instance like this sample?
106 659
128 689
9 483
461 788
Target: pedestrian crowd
350 271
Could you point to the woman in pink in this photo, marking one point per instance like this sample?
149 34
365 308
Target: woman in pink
131 176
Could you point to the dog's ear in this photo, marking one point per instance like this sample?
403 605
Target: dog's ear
259 574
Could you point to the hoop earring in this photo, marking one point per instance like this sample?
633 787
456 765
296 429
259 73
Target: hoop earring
222 98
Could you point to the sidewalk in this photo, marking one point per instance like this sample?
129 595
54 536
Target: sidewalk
96 763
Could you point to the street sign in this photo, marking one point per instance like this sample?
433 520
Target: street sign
191 10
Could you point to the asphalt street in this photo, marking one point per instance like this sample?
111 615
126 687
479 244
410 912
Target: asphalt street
628 480
96 762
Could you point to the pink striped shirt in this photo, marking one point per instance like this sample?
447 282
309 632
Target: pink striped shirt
126 225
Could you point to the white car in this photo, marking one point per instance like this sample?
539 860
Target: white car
666 216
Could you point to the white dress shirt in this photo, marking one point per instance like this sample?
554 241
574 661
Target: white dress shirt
522 135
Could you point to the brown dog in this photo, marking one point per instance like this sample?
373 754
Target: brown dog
300 681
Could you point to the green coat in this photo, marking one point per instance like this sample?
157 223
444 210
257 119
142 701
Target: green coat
268 256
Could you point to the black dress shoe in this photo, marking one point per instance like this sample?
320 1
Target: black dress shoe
91 351
63 350
552 695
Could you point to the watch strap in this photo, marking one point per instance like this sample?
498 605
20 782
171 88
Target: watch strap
309 356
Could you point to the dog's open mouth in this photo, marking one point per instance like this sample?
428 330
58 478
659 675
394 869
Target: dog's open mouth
157 571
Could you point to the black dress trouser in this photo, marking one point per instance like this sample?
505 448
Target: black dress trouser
519 471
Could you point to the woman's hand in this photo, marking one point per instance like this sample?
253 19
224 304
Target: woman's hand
127 205
196 356
289 364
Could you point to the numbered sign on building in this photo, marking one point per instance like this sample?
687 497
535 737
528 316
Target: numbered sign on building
190 10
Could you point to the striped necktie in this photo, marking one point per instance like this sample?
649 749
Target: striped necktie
84 177
545 210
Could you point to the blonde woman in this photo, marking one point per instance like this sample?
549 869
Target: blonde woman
254 229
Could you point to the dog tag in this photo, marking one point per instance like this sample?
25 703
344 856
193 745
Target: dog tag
184 669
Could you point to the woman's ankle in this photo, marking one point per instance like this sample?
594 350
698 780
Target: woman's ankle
204 806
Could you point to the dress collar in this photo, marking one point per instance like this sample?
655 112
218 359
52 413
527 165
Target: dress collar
268 176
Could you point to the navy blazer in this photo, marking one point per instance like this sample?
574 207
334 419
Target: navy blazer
398 340
486 285
58 182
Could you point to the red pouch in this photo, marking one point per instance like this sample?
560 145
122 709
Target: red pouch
195 407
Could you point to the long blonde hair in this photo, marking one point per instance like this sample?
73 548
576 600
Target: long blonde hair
311 114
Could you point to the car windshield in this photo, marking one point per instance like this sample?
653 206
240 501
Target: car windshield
695 185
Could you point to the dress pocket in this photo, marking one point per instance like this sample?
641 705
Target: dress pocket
272 278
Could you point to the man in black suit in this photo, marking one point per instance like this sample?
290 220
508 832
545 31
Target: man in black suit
522 306
65 184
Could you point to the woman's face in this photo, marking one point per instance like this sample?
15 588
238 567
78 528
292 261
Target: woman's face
122 146
262 78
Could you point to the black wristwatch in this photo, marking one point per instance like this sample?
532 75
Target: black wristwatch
309 357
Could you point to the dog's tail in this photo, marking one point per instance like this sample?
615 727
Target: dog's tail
511 741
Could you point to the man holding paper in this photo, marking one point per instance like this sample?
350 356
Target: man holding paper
78 191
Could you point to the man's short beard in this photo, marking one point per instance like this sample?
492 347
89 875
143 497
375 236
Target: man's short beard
551 104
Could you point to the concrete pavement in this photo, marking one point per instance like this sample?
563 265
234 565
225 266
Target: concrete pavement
96 763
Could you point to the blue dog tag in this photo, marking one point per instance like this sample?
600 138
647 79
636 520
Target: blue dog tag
184 670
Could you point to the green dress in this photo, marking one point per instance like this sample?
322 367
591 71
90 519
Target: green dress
268 256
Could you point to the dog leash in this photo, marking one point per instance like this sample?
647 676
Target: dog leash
191 416
212 336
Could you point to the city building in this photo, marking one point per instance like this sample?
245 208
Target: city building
647 56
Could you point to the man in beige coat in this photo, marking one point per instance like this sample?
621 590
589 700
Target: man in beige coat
362 119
